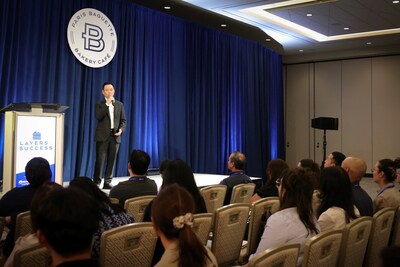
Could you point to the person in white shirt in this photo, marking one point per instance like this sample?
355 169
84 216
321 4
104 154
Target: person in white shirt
294 222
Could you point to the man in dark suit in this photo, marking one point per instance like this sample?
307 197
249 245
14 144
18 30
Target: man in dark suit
110 115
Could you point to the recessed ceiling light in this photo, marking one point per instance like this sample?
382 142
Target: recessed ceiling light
346 28
369 43
167 7
396 2
301 50
268 40
309 15
223 25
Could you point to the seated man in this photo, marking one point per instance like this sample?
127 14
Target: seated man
236 163
138 184
334 159
356 169
66 222
17 200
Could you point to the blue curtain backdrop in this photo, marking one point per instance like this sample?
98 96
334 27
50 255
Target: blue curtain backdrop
189 91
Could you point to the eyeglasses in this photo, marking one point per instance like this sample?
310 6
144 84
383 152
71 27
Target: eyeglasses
278 182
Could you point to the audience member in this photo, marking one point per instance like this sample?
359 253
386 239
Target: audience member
312 169
176 171
274 171
356 169
172 217
337 202
397 166
294 222
334 159
390 256
66 222
31 239
138 184
112 215
236 164
384 175
17 200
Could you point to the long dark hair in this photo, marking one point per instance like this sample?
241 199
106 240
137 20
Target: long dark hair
336 191
274 170
387 166
297 192
172 202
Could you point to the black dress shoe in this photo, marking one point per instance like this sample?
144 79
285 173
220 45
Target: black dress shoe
107 186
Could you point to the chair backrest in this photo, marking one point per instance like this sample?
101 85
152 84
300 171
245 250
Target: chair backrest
382 223
23 224
128 245
280 256
213 196
229 228
202 226
33 256
395 236
264 206
323 249
355 241
135 206
241 193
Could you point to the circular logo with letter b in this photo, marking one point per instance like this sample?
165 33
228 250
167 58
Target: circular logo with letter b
92 37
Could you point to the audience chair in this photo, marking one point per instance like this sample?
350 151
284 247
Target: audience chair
229 228
322 250
213 196
355 241
135 206
34 256
23 224
382 223
242 193
128 245
202 226
395 236
280 256
114 200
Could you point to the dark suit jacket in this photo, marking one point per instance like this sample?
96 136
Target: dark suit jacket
104 124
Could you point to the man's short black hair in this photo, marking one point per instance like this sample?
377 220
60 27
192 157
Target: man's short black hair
68 219
37 171
139 161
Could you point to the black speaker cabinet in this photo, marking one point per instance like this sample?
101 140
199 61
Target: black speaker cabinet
325 123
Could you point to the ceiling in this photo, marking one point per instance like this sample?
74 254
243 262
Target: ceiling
335 29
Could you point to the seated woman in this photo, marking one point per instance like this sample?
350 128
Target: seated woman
337 203
294 222
112 215
172 219
274 171
384 174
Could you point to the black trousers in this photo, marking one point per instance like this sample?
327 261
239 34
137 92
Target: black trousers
105 151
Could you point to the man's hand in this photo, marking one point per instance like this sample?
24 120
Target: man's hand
118 133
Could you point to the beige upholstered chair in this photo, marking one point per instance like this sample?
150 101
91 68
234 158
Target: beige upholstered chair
214 196
380 232
395 236
262 206
23 224
280 256
34 256
114 200
202 225
128 245
229 228
322 250
135 206
355 241
242 193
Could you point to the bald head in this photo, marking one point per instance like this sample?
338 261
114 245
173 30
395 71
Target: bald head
355 167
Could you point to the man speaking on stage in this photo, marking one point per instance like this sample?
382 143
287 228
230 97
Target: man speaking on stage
110 115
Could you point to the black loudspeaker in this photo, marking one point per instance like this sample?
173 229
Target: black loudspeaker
325 123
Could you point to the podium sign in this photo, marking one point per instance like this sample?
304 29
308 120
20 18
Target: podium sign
35 137
32 130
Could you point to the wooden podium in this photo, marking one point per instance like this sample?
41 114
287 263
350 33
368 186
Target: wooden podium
32 130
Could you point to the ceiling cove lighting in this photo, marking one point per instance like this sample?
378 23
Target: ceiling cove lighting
263 12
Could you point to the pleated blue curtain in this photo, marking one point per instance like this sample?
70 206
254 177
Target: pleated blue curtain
189 91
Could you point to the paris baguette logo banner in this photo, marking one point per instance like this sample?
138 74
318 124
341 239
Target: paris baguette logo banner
92 37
